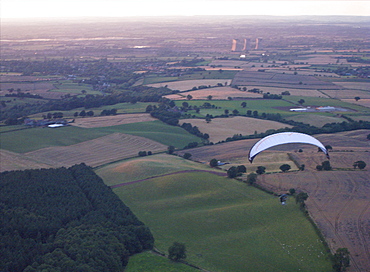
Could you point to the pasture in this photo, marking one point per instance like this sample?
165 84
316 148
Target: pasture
225 224
147 167
221 128
27 140
150 262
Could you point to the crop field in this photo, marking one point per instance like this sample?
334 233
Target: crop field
339 204
225 224
156 131
292 91
41 88
13 161
362 102
221 128
96 152
147 167
186 85
281 80
347 94
216 93
73 88
365 86
107 121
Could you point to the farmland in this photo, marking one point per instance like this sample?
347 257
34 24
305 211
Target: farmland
184 71
221 128
218 213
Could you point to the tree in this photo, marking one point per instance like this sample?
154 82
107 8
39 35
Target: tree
328 147
142 153
255 113
90 113
302 167
243 104
177 252
359 164
251 178
209 97
226 111
368 136
213 163
241 169
357 98
301 198
235 112
260 170
326 165
285 167
170 149
189 97
292 191
341 259
301 101
83 113
232 172
187 156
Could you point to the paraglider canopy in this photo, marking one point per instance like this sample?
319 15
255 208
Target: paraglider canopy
284 138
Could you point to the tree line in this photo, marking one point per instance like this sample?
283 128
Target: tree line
65 219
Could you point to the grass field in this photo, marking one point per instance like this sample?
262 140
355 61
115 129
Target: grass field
120 107
225 224
27 140
146 167
150 262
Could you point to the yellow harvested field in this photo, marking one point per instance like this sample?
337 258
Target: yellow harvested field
107 121
217 93
96 152
221 128
13 161
361 102
347 94
355 85
189 84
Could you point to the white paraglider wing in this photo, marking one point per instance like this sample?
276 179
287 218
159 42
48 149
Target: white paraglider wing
284 138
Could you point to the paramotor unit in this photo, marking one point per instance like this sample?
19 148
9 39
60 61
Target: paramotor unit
284 138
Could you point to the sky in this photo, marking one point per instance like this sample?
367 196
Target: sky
124 8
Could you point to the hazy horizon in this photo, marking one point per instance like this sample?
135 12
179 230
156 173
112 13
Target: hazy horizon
18 9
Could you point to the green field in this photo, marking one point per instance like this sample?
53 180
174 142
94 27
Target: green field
150 262
225 224
66 86
146 167
156 131
27 140
139 107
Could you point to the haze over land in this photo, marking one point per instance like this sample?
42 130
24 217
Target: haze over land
150 100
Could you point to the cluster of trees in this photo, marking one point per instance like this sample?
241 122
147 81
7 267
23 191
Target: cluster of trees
108 112
65 220
235 171
195 131
144 153
272 96
130 95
